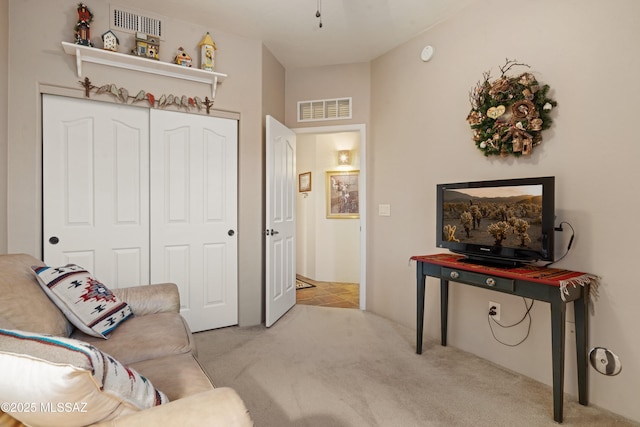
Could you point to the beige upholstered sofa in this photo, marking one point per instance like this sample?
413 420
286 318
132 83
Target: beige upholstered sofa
156 342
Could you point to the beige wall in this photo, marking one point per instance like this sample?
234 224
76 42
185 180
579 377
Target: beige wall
273 86
335 81
37 59
4 83
419 137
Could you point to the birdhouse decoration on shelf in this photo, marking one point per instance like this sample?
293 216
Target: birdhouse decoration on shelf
83 26
147 46
182 58
207 53
110 41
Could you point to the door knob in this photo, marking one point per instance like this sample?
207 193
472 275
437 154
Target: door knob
53 240
231 232
274 232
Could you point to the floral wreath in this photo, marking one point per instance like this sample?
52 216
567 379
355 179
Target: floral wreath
509 114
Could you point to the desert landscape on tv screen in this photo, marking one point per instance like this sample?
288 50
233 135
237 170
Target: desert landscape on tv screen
494 216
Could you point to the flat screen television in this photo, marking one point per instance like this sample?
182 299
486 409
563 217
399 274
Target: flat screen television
505 222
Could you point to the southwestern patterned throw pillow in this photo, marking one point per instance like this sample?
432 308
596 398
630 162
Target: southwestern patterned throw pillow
86 302
54 382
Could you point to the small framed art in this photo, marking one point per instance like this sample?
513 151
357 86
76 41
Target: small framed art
342 194
304 182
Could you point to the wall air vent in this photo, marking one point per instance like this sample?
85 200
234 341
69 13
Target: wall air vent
324 109
131 21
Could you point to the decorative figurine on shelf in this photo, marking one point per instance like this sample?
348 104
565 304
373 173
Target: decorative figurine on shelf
83 27
182 58
207 53
147 46
110 41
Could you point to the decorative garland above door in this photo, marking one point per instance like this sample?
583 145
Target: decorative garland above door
122 94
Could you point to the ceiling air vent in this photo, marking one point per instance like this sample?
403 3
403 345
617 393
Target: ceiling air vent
131 21
324 109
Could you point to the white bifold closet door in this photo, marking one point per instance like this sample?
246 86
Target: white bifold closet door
140 196
194 172
95 188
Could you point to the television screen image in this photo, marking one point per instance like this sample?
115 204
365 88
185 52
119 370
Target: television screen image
507 221
500 216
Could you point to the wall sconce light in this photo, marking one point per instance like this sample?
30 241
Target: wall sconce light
344 157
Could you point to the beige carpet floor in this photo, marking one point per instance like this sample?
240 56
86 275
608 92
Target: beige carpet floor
332 367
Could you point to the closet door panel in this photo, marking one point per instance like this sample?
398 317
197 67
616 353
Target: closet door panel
215 177
175 268
194 208
214 290
129 167
176 167
96 188
76 152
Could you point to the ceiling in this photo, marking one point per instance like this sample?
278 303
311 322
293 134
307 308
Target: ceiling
352 31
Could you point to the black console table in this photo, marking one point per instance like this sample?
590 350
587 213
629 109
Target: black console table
555 286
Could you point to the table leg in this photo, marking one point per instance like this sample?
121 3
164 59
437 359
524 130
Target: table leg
444 310
558 314
580 307
420 281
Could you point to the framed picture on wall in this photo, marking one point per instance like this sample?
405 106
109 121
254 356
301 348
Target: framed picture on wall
304 182
342 194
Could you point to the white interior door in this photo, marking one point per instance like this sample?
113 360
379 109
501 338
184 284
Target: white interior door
194 214
280 233
96 188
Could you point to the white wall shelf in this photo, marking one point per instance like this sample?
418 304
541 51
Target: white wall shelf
136 63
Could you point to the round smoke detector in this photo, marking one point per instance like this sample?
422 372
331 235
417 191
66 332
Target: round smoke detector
426 53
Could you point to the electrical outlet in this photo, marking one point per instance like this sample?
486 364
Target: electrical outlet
494 310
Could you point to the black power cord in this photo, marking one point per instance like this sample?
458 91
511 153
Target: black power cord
526 314
573 234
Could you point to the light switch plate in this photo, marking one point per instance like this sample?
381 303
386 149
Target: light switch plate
384 210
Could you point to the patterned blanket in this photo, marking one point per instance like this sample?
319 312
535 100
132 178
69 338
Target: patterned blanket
549 276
